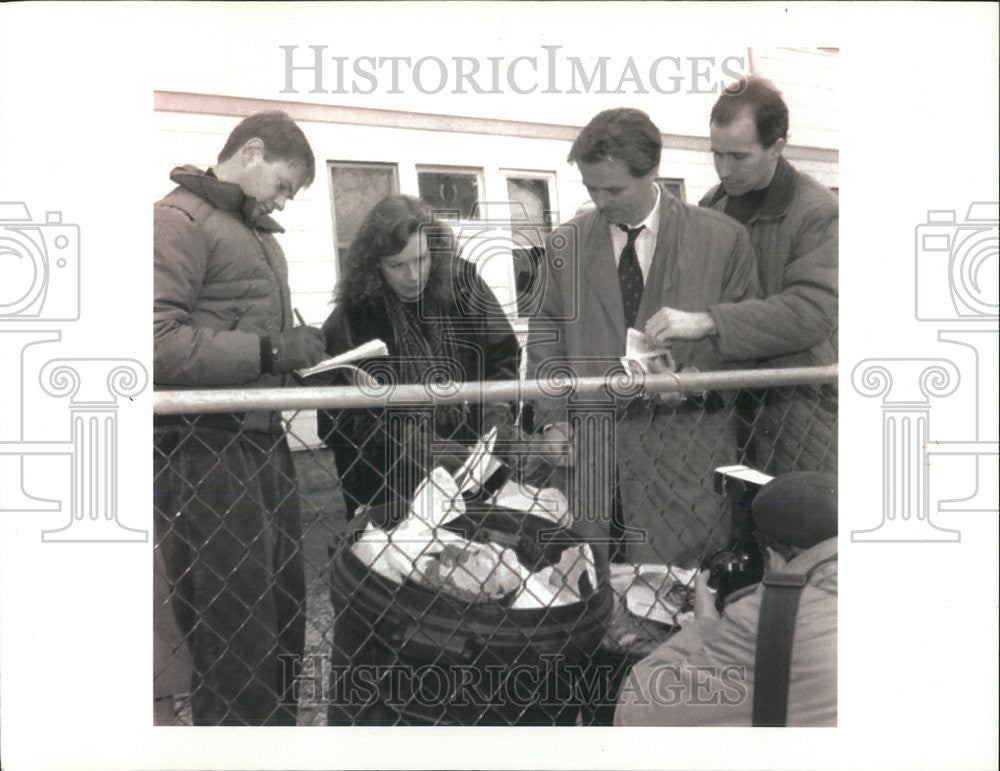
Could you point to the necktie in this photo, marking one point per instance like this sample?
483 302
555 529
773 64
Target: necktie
630 276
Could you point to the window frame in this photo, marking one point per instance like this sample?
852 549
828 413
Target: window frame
678 182
438 168
550 181
335 163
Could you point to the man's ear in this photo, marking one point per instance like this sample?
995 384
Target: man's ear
778 146
252 151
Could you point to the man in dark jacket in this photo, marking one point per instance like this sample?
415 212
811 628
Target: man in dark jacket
227 517
793 222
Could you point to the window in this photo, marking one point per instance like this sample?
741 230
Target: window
452 191
532 218
675 185
354 189
530 203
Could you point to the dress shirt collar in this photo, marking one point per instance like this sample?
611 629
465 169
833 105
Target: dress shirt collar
645 243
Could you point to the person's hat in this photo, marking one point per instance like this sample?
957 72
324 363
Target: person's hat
798 508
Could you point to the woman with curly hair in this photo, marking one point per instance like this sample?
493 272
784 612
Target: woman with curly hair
404 283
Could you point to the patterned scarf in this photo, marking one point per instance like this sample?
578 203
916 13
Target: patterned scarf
428 354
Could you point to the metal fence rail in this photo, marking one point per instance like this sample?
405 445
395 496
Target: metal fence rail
269 612
350 397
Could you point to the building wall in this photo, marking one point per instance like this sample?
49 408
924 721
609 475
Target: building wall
309 239
689 71
191 127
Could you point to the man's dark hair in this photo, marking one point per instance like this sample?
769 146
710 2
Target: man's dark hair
762 99
283 140
622 134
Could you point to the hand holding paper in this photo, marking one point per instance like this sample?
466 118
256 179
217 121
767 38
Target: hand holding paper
641 355
672 324
368 350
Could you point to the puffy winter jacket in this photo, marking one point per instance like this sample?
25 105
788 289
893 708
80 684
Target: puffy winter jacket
220 284
795 235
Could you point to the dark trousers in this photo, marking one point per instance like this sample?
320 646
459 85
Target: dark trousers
229 528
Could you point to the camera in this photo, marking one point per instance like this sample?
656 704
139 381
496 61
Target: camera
742 562
40 265
733 568
957 265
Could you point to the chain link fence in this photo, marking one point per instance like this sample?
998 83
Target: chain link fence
328 586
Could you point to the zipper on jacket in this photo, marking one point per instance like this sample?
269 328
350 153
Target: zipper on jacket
285 312
236 319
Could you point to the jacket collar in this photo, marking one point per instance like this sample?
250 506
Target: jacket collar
779 192
804 561
222 195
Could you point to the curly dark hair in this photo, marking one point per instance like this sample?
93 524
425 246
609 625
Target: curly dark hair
385 232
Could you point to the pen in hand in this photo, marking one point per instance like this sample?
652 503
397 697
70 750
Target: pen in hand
310 342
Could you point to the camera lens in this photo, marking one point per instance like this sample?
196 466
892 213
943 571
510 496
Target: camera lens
22 268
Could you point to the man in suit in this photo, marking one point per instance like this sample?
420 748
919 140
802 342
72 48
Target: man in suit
611 268
793 223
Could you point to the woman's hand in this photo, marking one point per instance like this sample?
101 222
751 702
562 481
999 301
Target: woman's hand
557 445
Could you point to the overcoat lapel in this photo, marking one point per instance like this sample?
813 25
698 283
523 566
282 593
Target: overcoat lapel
664 270
601 275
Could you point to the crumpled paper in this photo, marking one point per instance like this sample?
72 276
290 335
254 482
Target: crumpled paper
472 571
394 554
654 592
558 584
420 549
548 502
639 351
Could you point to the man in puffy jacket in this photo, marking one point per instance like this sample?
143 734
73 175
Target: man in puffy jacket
793 223
227 516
